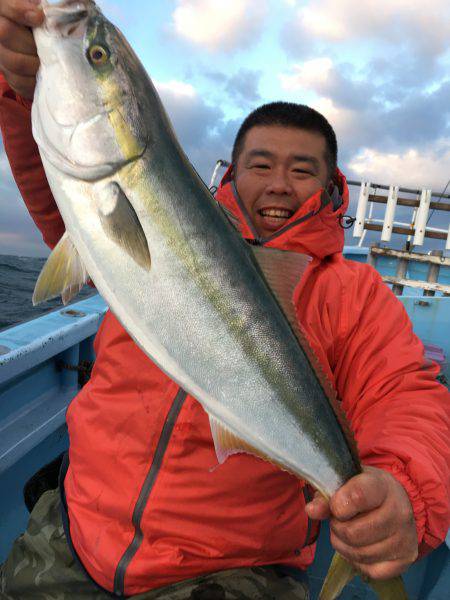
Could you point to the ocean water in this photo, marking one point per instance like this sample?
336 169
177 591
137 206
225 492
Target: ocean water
18 276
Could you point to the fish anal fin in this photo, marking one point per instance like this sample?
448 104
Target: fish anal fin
63 274
121 223
227 443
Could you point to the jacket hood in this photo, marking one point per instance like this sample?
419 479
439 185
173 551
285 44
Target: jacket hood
314 229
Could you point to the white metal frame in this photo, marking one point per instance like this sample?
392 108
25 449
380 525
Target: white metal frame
358 229
420 224
419 219
389 215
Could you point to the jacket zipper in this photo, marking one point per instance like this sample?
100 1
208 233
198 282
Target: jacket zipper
146 490
259 241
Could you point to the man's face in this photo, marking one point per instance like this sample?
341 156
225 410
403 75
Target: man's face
278 169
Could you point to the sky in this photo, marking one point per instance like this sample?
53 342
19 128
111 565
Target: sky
378 70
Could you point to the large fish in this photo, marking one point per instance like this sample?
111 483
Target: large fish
168 261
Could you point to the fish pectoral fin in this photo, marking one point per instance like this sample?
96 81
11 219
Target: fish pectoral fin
63 274
227 443
121 223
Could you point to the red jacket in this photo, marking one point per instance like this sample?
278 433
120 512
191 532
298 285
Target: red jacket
147 502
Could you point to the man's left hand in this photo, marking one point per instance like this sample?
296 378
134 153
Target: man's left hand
371 522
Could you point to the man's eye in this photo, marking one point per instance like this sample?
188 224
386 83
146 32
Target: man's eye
301 171
261 166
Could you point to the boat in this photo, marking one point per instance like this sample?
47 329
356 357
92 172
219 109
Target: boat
45 361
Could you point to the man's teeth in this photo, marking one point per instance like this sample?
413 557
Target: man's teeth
276 212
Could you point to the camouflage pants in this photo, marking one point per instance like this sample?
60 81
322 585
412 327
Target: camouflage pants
41 567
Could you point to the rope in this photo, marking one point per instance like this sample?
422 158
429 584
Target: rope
84 369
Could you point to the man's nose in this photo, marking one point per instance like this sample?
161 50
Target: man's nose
279 183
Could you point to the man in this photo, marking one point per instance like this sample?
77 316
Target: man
144 510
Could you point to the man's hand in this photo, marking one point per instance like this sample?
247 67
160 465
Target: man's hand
372 523
18 57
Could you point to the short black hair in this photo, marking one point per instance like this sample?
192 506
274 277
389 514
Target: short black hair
289 114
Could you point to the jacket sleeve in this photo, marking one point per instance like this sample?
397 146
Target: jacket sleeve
26 165
399 413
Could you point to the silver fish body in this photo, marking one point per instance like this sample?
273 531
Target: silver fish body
178 276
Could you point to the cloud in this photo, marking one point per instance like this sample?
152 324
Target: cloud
405 40
6 178
341 20
204 133
18 233
218 27
309 74
337 82
361 112
412 168
241 88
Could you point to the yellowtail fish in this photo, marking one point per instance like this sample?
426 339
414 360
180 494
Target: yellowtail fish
171 265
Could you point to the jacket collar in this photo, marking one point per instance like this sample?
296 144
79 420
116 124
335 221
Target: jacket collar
313 229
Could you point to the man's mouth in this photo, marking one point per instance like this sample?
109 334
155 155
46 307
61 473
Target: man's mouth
275 216
276 213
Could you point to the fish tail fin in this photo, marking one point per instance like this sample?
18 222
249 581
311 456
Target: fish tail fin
341 572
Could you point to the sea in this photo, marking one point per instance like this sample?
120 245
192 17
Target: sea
18 276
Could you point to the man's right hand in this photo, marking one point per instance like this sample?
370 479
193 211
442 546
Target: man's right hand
18 57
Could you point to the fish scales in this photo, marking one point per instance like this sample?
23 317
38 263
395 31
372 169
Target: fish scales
203 297
179 277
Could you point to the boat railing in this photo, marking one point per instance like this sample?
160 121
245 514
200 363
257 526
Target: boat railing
40 366
427 271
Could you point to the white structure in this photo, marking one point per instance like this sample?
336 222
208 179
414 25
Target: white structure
389 214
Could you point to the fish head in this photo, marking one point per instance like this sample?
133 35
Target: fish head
86 115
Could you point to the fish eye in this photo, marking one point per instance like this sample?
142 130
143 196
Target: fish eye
98 55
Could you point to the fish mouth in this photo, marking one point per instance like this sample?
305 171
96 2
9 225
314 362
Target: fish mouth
67 18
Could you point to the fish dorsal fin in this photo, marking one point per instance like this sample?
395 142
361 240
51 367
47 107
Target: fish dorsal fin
63 274
329 390
231 217
283 270
121 223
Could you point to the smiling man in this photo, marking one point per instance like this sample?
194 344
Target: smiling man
143 510
282 156
278 167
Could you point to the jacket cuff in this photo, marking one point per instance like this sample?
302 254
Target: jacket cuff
397 469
